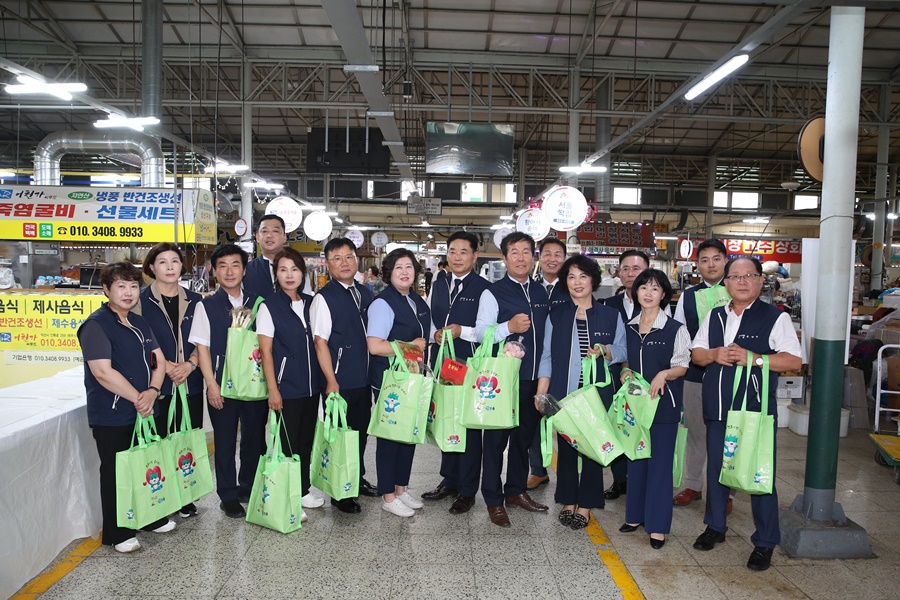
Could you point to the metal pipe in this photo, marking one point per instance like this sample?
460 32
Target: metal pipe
51 149
151 57
881 208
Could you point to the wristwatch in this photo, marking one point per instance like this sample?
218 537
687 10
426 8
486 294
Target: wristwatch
155 389
759 361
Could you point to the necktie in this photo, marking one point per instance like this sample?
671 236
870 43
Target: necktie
549 287
457 283
355 293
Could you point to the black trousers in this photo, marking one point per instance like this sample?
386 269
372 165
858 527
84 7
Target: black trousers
195 410
359 413
109 440
298 428
469 465
585 490
252 419
518 438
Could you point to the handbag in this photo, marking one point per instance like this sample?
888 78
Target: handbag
491 396
401 410
444 429
748 460
681 437
334 467
145 491
583 421
277 487
187 451
635 410
242 375
710 298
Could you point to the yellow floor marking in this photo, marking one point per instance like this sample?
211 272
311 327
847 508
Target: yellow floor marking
45 581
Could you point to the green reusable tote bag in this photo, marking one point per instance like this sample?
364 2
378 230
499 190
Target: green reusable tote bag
632 404
748 462
186 450
277 487
242 375
680 449
710 298
583 421
334 467
145 491
444 429
401 411
491 396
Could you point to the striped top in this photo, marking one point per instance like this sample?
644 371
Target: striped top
584 343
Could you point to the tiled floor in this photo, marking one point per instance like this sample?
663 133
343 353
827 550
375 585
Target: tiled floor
438 555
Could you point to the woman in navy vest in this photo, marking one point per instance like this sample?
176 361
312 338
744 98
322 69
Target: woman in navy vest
578 326
290 363
169 310
658 349
397 314
124 369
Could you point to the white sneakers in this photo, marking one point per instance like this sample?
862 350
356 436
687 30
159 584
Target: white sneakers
311 501
409 501
398 508
169 526
129 545
303 517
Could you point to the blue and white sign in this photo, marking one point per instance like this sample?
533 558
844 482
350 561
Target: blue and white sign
533 222
565 208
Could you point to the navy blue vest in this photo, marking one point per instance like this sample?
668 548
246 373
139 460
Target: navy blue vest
158 319
511 301
694 373
296 366
601 322
757 322
652 354
347 342
258 279
618 302
218 311
463 311
130 357
408 325
559 294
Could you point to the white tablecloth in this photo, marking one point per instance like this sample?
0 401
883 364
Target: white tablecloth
49 475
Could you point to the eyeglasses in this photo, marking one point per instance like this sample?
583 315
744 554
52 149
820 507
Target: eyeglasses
340 259
632 269
750 278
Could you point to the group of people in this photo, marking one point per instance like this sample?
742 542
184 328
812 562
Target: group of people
340 341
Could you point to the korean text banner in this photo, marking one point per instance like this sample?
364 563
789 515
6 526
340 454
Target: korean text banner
64 213
783 251
44 321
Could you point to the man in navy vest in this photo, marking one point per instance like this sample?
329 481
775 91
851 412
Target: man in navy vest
551 256
260 278
341 347
454 307
721 344
711 259
519 305
209 333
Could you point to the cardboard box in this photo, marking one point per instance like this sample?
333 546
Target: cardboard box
789 387
865 310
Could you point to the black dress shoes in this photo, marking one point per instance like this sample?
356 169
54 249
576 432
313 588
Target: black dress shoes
233 509
347 505
462 504
760 558
626 528
708 539
439 493
615 490
243 498
657 544
367 489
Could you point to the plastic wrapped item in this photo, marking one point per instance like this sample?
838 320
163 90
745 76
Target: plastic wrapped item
547 405
514 349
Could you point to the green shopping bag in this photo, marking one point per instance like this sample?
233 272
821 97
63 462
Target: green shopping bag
678 462
277 486
242 375
491 396
710 298
444 429
145 491
635 410
401 411
186 450
583 421
748 462
334 467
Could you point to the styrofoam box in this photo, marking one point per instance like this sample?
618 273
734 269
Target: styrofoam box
789 387
799 420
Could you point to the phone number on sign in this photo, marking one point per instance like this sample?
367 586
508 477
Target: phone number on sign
59 342
104 231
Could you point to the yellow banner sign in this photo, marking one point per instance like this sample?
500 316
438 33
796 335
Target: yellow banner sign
44 321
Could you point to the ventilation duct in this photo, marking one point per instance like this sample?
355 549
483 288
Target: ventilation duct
51 149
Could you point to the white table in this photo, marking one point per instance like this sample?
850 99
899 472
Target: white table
49 475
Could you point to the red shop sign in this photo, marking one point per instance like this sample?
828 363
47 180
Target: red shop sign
783 251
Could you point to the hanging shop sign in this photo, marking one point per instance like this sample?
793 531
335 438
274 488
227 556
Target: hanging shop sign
500 234
77 214
783 251
240 227
380 239
615 238
533 222
356 236
317 226
288 209
685 249
44 321
565 207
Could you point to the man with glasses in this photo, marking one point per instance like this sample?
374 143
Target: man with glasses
693 306
721 345
341 347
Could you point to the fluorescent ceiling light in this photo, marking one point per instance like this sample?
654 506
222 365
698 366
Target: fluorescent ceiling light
666 237
506 217
391 143
224 167
380 113
120 122
264 185
30 85
6 174
891 216
309 206
359 228
499 226
757 220
332 213
338 220
718 75
582 169
870 216
361 68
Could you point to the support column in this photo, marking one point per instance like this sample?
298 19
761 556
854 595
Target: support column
602 128
710 195
892 207
815 525
247 149
881 175
520 188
